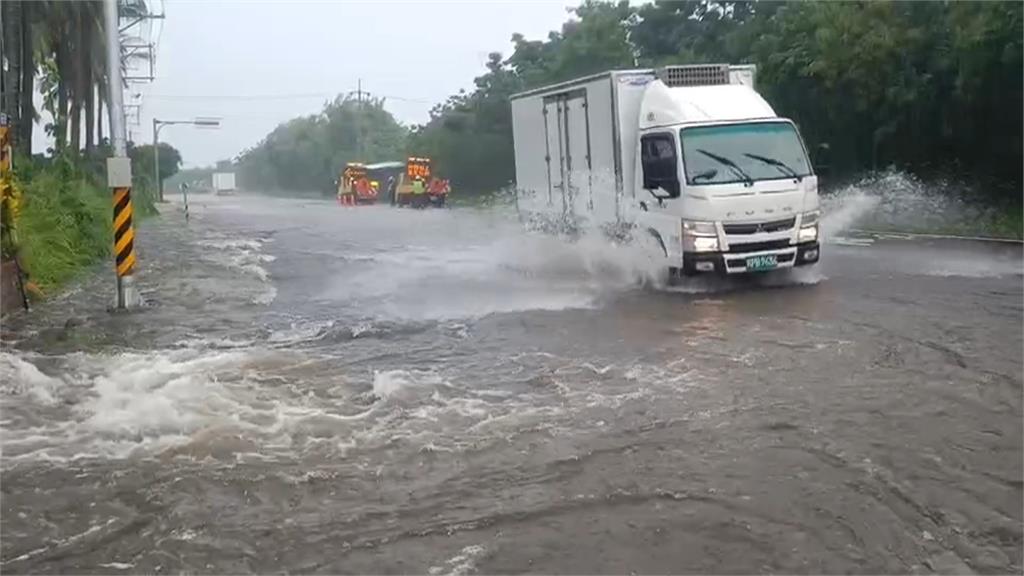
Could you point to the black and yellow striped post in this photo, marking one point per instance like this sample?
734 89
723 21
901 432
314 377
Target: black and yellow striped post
119 178
124 232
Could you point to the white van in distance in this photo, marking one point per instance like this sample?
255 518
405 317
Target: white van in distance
690 157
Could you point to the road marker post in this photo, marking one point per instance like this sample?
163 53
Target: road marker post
184 194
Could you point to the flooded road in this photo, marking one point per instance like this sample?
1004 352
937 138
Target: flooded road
318 389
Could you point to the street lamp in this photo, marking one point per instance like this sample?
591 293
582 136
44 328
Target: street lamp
157 125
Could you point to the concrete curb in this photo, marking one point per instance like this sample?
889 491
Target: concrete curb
937 236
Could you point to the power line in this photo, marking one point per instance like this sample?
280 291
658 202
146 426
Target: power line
300 96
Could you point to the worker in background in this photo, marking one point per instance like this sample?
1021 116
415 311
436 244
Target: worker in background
419 193
390 189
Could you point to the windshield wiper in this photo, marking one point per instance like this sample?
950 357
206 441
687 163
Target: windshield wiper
730 164
707 174
779 164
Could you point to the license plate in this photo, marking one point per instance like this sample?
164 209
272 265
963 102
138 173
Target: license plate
765 262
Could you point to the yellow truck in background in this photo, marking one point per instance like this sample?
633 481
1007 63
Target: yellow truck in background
410 183
355 187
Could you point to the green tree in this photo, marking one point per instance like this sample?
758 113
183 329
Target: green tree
308 153
142 160
469 137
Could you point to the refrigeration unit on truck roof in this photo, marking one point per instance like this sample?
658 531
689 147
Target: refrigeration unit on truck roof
674 153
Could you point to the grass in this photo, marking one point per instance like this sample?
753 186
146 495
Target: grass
480 200
65 223
1009 224
1004 223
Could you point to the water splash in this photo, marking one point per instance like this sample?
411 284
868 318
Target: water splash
897 201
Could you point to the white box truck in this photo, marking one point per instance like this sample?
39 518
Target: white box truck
224 183
690 160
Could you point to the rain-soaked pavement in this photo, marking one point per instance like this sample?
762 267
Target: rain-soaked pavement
319 389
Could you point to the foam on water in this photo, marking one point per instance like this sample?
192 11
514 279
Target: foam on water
243 255
398 384
115 406
303 331
266 403
462 563
19 377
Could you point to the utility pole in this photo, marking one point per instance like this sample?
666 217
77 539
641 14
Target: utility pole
156 162
3 72
119 167
359 119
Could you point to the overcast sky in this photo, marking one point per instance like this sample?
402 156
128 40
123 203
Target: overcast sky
258 63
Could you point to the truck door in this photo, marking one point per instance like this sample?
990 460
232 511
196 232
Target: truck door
553 155
659 172
578 161
568 151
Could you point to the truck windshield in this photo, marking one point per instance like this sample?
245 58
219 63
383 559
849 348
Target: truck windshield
743 153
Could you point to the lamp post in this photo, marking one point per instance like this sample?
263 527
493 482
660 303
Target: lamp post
157 125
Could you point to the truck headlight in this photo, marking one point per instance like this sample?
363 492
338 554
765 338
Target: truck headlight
808 233
808 226
695 228
701 244
699 236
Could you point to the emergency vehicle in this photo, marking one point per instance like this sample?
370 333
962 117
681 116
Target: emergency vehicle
354 186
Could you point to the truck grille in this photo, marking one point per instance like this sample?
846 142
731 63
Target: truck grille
695 75
758 246
759 227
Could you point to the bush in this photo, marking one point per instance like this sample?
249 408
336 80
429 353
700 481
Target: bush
65 222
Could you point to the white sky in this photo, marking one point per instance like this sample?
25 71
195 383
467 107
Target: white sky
230 59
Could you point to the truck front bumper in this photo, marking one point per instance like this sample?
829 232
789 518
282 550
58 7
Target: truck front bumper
736 262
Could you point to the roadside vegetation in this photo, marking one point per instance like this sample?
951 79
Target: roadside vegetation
64 209
65 218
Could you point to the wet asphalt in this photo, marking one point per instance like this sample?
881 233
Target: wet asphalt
316 389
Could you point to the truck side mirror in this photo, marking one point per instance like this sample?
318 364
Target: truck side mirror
661 175
669 185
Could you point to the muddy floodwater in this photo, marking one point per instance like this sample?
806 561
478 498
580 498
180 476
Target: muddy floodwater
318 389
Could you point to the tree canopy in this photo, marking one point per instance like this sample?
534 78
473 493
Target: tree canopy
308 153
925 86
58 47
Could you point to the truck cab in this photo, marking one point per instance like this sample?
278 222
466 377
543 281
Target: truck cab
723 184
